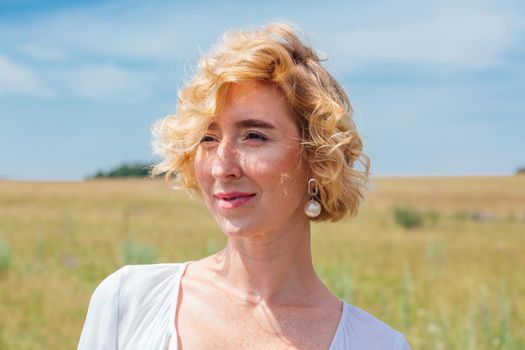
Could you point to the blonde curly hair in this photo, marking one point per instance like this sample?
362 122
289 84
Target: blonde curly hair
330 142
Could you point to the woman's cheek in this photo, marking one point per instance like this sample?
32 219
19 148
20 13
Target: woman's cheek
203 182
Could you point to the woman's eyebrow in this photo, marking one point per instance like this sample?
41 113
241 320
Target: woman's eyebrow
254 123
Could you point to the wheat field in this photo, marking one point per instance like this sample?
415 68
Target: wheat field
453 279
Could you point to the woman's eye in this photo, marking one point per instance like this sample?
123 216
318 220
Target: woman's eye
207 138
256 136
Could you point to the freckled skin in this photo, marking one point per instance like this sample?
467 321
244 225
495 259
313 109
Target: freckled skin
268 168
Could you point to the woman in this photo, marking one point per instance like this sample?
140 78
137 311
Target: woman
264 133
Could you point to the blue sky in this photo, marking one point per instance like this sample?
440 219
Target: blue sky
438 87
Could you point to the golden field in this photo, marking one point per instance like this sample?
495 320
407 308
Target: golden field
457 281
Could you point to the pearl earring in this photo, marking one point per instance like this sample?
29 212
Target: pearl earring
312 209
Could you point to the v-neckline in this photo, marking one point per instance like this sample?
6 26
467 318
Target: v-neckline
173 343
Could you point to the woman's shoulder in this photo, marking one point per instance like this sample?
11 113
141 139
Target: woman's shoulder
135 281
141 274
361 330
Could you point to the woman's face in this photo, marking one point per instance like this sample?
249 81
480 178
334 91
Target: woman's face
248 164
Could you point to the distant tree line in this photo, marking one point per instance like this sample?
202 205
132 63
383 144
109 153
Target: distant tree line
139 169
136 169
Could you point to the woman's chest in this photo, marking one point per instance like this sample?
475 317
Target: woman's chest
205 324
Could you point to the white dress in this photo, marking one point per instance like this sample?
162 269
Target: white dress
134 308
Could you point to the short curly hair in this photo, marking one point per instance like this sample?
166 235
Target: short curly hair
330 142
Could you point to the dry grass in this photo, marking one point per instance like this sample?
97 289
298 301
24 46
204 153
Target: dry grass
497 195
455 284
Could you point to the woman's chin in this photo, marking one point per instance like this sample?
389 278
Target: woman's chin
233 230
239 228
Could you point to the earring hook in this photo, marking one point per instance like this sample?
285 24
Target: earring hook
313 189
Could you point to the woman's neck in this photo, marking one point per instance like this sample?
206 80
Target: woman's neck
276 271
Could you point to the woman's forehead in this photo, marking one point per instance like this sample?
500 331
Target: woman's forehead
254 104
251 91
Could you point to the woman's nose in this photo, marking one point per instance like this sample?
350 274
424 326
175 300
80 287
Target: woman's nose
226 161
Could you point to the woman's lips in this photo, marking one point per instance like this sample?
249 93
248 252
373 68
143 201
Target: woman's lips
232 200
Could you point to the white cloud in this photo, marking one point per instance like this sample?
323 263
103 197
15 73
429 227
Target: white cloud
468 35
106 81
17 79
130 30
43 53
